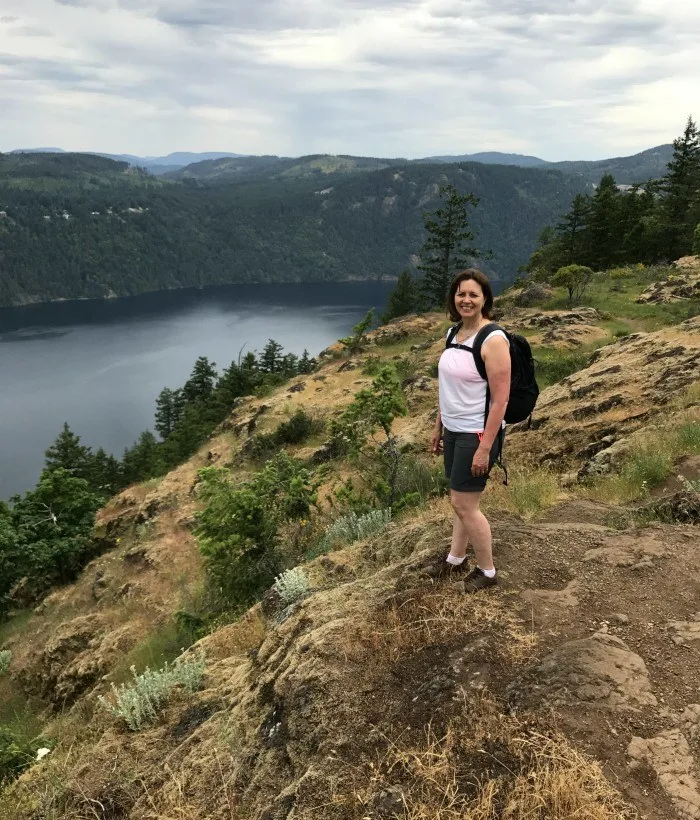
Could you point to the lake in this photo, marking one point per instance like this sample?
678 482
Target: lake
99 365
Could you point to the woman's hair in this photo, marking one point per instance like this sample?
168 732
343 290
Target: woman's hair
477 276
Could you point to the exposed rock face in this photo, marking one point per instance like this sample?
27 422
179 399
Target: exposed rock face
625 386
685 284
601 670
670 757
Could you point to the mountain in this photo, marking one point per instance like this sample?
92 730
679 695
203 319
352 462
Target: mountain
105 228
273 167
638 168
491 158
155 165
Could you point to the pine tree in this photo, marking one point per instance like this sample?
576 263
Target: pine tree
448 248
602 246
141 459
270 359
404 298
68 453
572 227
199 386
681 188
167 412
105 473
306 363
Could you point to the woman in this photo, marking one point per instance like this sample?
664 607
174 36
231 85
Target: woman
471 443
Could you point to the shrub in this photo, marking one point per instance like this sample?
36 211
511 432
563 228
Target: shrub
138 704
291 585
575 278
696 240
16 754
5 660
299 427
353 527
238 527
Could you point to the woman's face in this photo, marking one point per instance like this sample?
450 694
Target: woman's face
469 299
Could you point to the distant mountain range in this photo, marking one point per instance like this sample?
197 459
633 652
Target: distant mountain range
154 165
221 166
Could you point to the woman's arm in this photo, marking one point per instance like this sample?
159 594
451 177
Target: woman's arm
496 356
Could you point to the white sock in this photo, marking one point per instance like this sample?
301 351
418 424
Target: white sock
454 560
489 573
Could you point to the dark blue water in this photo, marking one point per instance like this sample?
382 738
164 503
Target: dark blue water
100 365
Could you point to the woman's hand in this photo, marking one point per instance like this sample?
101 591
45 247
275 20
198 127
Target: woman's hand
480 462
436 443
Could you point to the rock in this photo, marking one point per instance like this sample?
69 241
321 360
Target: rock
670 757
348 365
686 630
620 618
389 803
299 387
627 551
100 584
600 670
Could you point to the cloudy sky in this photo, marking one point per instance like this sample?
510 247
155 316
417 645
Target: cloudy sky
561 79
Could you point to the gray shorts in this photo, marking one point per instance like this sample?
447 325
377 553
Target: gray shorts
459 451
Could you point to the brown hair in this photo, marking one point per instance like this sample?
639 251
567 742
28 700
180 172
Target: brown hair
480 278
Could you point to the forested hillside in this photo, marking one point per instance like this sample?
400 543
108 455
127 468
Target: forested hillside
73 226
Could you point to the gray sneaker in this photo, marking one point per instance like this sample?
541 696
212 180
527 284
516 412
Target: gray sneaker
476 580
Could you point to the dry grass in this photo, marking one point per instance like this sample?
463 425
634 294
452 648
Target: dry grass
489 766
426 617
530 491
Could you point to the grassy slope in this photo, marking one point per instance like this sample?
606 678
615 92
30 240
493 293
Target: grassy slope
550 762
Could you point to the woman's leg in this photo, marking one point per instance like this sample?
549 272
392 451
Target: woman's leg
475 526
460 537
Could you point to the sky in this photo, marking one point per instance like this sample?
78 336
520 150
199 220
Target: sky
560 79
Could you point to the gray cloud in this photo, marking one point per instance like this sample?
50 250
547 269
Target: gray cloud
382 77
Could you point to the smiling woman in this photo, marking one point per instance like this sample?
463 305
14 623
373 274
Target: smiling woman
469 426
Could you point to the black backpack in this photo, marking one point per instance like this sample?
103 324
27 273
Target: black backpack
523 385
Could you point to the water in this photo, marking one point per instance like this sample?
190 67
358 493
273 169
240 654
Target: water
100 365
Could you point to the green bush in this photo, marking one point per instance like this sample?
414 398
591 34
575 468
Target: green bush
5 660
237 529
696 240
300 427
16 754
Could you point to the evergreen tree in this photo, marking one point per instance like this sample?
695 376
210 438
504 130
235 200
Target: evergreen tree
572 227
55 522
105 476
603 235
68 453
270 359
168 411
141 459
200 385
289 364
696 240
404 298
448 248
681 188
306 363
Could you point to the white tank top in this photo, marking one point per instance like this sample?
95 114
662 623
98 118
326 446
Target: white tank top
462 391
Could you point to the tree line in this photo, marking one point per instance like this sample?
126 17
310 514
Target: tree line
657 221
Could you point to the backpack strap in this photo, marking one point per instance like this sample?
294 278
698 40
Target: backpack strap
454 330
478 342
